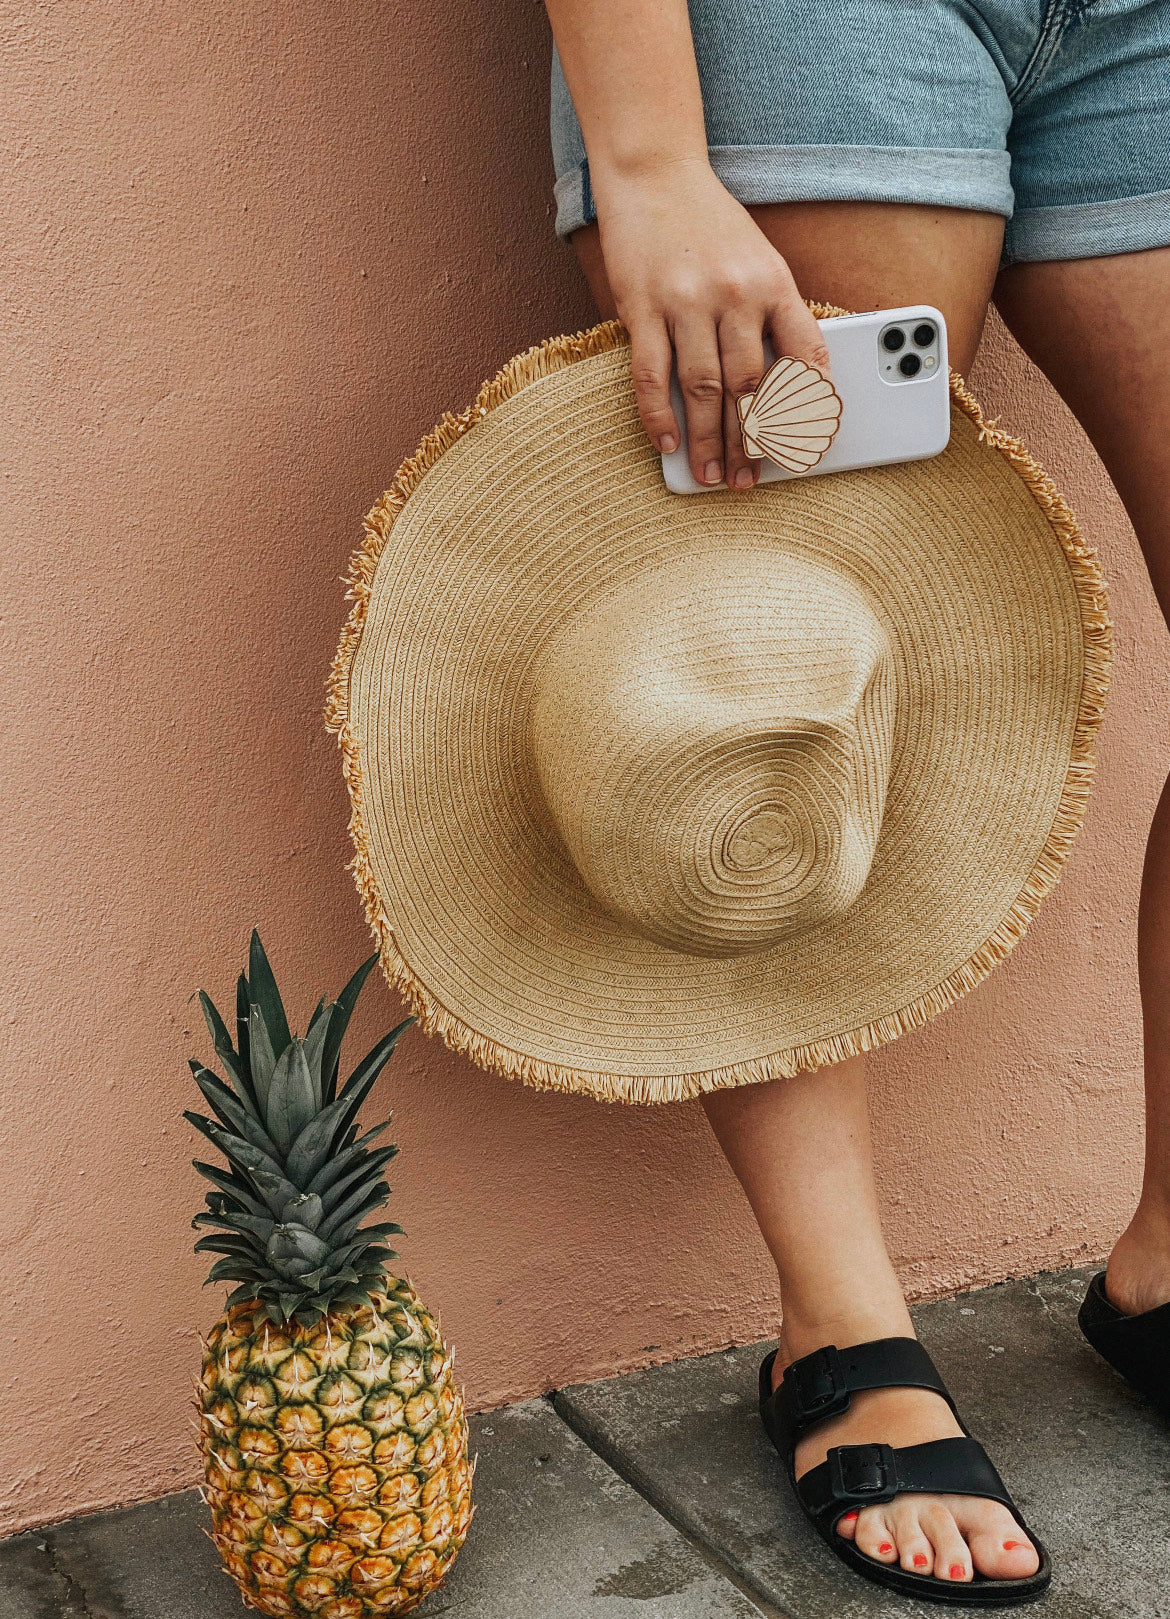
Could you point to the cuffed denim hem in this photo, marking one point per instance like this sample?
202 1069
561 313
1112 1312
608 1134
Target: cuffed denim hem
973 178
1089 230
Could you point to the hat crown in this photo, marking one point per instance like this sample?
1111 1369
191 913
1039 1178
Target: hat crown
712 740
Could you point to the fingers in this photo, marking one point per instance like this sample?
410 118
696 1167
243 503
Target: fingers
700 376
741 352
650 363
716 364
794 330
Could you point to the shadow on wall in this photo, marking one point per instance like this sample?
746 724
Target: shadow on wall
257 254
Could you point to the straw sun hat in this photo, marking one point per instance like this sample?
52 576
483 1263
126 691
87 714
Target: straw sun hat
654 794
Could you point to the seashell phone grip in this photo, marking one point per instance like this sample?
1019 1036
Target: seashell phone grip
886 400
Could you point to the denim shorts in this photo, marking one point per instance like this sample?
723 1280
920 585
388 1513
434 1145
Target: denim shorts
1053 113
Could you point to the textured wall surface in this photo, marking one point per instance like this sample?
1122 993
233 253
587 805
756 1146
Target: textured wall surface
252 253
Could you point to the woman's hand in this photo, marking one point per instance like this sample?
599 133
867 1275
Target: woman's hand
690 271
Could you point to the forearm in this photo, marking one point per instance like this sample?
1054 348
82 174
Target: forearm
691 275
630 67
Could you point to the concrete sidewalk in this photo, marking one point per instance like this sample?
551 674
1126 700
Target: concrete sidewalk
655 1495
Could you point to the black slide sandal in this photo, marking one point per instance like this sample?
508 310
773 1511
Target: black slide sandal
1137 1346
822 1385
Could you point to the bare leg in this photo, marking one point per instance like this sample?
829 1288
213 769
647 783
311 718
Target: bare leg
801 1151
801 1148
1100 329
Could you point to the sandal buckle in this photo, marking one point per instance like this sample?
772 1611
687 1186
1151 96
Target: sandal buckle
863 1472
817 1385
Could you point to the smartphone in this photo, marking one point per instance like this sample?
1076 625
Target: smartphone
890 368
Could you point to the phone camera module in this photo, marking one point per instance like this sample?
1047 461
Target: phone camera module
909 365
893 339
924 335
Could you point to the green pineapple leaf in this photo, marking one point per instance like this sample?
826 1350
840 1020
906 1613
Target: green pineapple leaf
338 1023
222 1243
232 1184
277 1191
352 1212
232 1269
264 994
246 1224
306 1209
291 1100
235 1065
240 1154
368 1170
262 1058
285 1215
293 1250
243 1012
374 1061
315 1037
223 1100
312 1146
334 1168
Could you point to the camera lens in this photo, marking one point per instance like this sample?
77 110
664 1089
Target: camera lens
924 335
893 339
909 365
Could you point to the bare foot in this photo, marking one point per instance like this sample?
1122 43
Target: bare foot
1138 1275
949 1536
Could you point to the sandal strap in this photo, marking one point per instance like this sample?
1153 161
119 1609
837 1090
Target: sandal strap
856 1476
822 1385
1138 1346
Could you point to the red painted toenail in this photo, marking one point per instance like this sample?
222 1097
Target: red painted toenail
885 1546
920 1559
851 1517
1010 1545
956 1571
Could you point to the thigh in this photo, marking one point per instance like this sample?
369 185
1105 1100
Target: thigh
871 255
1099 328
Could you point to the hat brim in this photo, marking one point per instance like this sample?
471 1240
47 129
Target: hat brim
517 515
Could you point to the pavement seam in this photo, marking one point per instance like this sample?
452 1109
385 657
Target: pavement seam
613 1459
73 1590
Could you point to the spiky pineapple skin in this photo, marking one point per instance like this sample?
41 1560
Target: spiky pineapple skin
335 1457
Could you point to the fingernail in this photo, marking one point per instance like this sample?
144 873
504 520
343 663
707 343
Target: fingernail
713 472
743 478
885 1546
956 1571
920 1559
667 443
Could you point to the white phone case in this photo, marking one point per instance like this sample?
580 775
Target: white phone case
882 421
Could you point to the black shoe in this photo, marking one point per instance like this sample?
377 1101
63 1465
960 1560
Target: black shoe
1137 1346
822 1385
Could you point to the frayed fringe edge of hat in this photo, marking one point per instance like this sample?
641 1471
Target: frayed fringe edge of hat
436 1019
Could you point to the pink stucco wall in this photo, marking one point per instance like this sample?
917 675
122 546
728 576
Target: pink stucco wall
252 252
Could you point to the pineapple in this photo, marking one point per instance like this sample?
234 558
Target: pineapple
334 1440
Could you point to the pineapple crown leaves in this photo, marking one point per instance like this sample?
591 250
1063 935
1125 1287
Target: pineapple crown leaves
286 1214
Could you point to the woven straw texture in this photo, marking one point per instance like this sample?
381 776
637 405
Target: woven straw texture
958 598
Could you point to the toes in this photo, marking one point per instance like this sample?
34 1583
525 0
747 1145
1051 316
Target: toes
952 1555
915 1552
1000 1549
873 1535
847 1526
1004 1555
